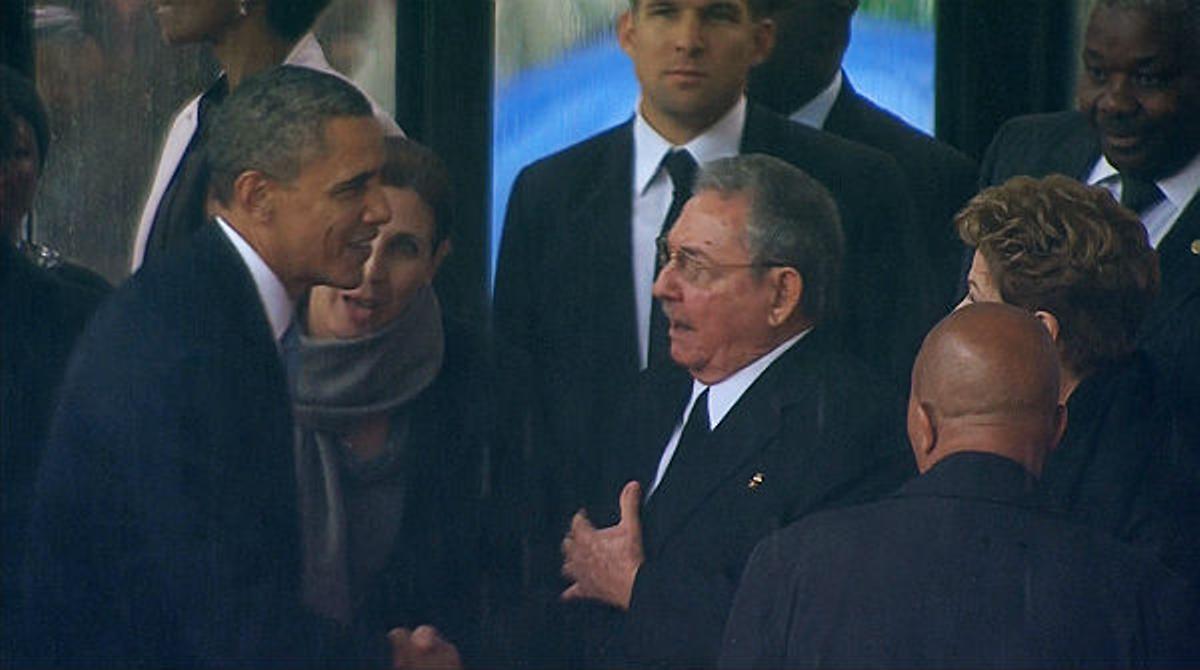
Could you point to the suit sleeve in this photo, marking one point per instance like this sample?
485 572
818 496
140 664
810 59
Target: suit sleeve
515 301
677 614
153 545
755 635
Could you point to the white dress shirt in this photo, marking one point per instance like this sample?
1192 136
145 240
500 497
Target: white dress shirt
722 396
652 191
814 112
274 297
1180 188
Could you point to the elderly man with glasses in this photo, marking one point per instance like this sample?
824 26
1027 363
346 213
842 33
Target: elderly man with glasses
764 420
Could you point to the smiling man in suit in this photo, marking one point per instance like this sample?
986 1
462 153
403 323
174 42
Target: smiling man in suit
804 80
764 420
1136 133
573 283
166 530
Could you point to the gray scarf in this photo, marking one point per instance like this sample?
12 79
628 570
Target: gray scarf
334 383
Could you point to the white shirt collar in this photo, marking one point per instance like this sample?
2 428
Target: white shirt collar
721 140
723 395
274 297
1179 188
814 112
307 53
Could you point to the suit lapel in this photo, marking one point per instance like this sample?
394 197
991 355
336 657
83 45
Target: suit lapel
759 134
749 428
846 111
603 218
1077 154
1178 264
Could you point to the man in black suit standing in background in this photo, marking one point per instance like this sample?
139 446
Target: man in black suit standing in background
963 566
1137 133
573 283
165 528
803 79
764 420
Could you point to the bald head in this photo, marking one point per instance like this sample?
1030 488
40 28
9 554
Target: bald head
986 379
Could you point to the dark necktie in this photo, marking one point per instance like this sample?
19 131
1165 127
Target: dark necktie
688 462
681 167
1139 194
689 452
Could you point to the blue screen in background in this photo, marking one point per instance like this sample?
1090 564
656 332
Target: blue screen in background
591 87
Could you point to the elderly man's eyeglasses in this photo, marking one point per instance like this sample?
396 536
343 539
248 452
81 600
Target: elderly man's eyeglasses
694 270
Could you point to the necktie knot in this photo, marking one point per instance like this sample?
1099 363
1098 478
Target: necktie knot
681 167
1139 194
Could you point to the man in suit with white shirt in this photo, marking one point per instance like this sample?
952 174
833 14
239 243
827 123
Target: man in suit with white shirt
1136 133
803 79
165 528
764 420
577 260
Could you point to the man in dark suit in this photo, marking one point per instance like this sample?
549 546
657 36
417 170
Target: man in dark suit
963 567
165 528
766 421
1137 133
573 284
803 79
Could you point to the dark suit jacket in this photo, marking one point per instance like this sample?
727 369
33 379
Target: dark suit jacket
42 312
819 429
1065 143
1119 467
564 284
165 528
940 178
961 568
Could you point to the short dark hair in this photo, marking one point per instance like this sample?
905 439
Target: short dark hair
1180 13
758 8
410 164
274 122
793 222
292 18
1057 245
19 98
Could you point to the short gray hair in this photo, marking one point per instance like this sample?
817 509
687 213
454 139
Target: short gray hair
274 122
793 222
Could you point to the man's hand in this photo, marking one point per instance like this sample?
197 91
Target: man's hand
422 648
603 563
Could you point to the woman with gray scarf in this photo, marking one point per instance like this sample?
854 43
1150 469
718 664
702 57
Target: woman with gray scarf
393 430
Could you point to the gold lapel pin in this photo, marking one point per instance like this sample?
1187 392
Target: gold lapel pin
1196 247
755 481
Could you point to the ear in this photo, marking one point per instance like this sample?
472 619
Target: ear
764 40
443 250
626 29
1049 321
253 193
788 292
1060 425
922 433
